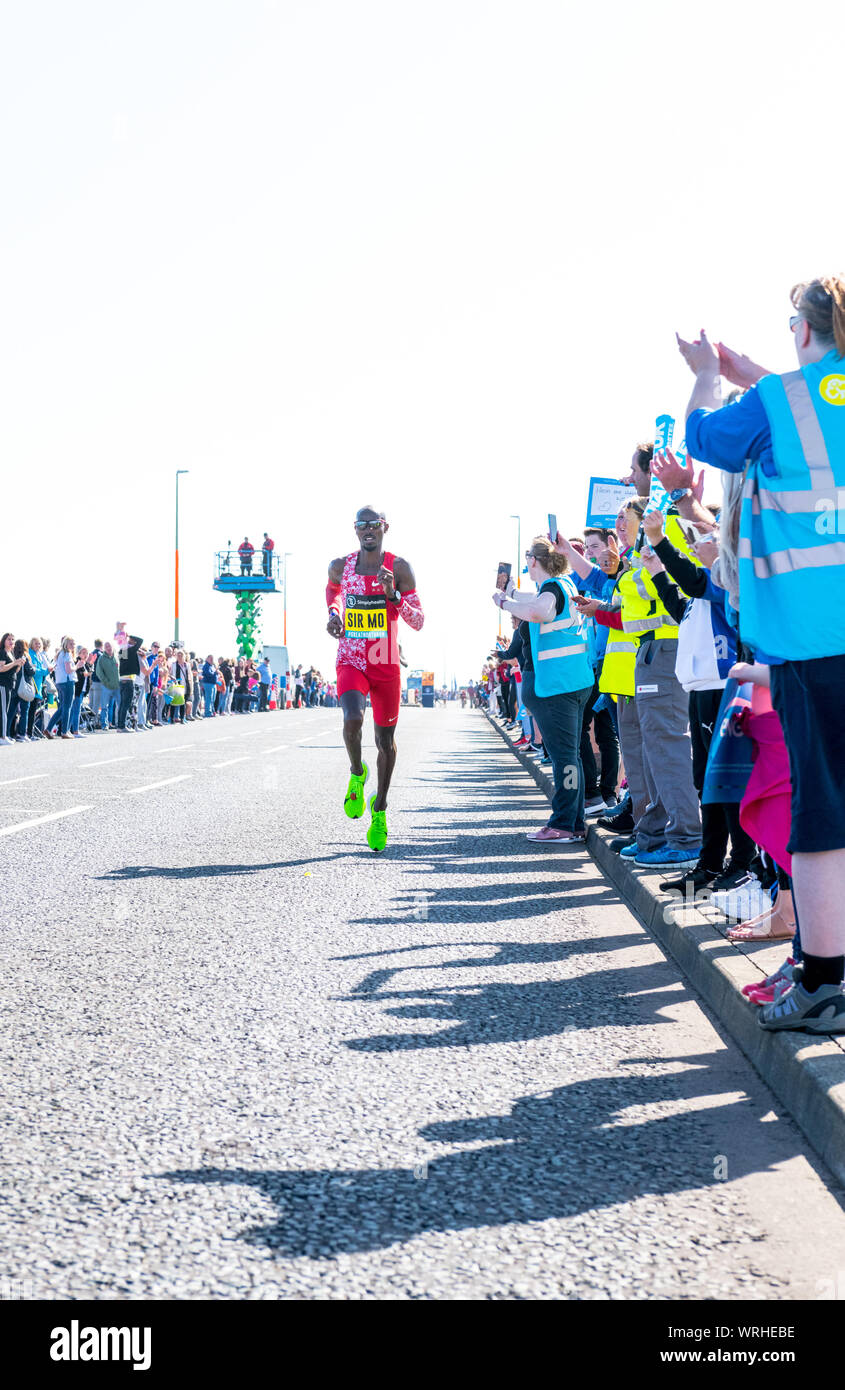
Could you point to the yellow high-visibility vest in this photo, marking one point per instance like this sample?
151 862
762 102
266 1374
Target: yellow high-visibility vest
642 610
617 668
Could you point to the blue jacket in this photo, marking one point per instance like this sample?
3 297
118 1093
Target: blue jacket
788 434
601 586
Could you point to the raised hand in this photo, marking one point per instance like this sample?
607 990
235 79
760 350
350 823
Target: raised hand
699 355
671 474
651 562
653 527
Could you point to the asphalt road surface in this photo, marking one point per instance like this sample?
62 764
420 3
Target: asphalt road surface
244 1057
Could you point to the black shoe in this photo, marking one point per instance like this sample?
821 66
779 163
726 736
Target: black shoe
730 877
621 824
621 842
696 879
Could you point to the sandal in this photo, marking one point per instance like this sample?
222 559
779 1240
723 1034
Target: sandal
769 927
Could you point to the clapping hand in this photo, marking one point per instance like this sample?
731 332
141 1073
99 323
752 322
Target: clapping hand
737 368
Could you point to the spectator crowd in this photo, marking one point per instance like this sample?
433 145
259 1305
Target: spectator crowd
681 672
72 690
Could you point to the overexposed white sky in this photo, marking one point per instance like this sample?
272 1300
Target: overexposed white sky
425 255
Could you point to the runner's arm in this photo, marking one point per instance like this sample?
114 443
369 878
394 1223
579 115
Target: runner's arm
410 608
333 587
334 626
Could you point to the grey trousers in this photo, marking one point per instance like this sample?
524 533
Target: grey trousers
654 733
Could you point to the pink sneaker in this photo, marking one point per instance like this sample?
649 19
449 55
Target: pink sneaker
768 994
783 972
549 833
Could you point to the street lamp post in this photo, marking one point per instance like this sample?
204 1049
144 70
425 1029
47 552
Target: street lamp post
518 521
285 596
176 575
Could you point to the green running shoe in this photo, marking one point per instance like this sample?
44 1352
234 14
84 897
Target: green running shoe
377 833
353 802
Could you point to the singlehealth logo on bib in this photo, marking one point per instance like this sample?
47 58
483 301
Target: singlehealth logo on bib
832 389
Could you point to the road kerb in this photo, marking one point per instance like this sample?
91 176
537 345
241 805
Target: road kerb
806 1073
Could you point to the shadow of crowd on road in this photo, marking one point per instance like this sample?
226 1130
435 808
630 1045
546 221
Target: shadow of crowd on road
575 1148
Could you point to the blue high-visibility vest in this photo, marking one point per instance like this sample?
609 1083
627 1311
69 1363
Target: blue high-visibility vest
559 649
792 523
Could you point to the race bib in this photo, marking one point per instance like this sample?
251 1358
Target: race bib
365 615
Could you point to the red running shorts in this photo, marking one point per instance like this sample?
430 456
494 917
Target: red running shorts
385 692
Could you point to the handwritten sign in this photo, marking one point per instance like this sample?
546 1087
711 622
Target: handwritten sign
605 500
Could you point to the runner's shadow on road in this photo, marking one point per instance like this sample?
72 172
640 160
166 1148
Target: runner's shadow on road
135 871
573 1150
471 908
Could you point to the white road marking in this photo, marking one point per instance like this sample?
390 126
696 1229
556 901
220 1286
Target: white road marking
151 786
42 820
174 748
229 761
33 777
105 761
278 748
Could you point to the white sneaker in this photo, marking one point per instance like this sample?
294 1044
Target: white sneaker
740 904
595 807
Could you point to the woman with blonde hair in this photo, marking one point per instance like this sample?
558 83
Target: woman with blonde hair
65 677
557 680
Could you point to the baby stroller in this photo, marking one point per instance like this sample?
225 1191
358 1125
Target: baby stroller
88 720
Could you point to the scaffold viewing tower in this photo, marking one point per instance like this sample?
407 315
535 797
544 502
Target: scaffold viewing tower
247 577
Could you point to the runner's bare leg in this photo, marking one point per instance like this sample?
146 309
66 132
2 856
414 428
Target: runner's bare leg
353 704
386 745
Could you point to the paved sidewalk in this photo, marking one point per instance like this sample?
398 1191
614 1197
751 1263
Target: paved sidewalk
805 1072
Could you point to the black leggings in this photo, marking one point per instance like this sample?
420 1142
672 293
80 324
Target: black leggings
608 745
719 819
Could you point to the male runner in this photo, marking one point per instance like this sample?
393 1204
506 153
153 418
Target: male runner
366 593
